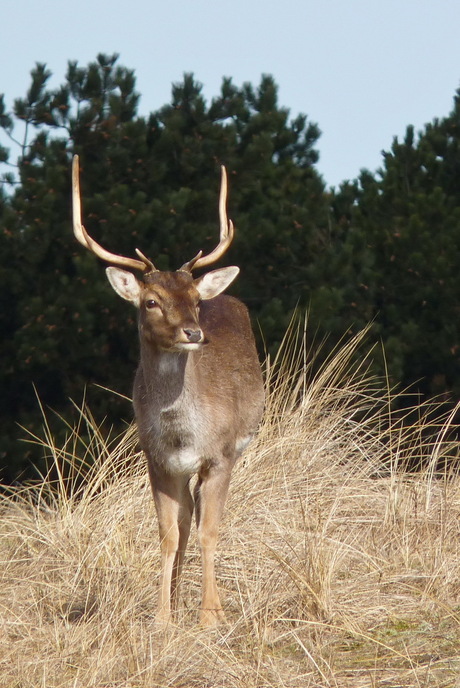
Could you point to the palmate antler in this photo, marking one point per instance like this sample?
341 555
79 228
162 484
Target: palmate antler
144 264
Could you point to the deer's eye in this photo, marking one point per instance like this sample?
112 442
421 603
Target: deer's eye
151 303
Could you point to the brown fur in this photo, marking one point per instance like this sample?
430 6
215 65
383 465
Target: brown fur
198 394
197 406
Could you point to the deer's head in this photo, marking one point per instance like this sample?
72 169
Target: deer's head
168 302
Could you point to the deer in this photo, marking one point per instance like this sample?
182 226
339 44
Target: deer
198 396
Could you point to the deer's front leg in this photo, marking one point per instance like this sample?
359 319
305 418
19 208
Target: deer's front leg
174 507
210 495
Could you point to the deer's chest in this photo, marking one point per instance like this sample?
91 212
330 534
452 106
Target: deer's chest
175 422
177 438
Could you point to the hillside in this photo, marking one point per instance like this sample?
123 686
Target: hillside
337 567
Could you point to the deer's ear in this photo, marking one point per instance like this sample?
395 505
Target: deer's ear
125 284
214 283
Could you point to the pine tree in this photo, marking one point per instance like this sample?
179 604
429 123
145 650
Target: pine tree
150 183
403 229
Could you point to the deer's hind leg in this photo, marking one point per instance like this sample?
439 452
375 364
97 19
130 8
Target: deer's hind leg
184 522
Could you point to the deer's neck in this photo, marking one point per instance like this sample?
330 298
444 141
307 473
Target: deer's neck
171 426
166 375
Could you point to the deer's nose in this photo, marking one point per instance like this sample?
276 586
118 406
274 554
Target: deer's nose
193 336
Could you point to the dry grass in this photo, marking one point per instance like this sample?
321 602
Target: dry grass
337 568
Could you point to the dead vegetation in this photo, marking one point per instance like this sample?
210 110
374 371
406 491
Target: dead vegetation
337 567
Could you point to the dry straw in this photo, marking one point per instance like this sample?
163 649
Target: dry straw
337 566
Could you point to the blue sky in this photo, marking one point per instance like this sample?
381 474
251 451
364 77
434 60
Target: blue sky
361 69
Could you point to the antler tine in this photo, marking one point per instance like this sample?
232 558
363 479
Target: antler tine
226 232
84 238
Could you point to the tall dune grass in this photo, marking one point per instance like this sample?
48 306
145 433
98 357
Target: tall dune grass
337 567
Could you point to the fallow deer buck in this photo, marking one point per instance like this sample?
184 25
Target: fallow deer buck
198 395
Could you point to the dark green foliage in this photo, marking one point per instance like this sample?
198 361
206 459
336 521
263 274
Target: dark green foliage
384 248
402 233
148 183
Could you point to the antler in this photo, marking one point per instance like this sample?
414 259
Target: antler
83 237
144 264
226 232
